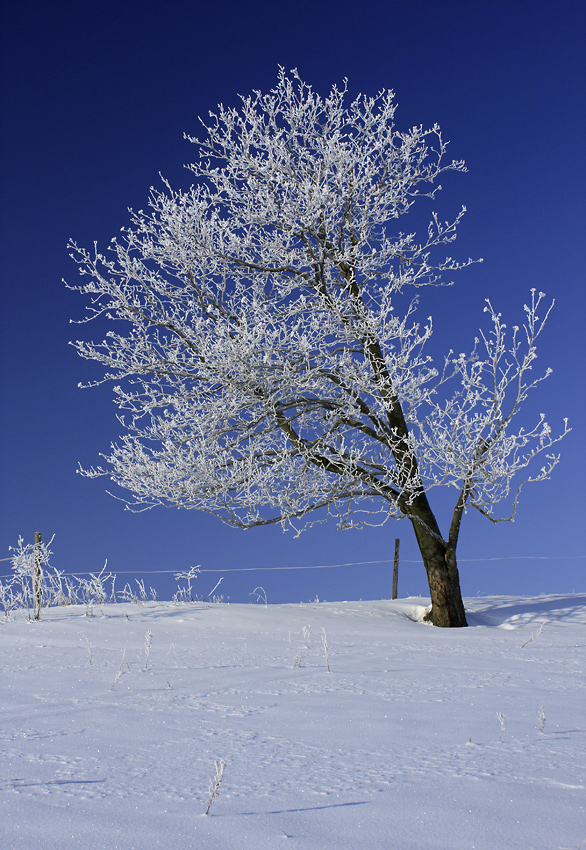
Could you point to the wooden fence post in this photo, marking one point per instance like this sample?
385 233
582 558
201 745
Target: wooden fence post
37 577
396 569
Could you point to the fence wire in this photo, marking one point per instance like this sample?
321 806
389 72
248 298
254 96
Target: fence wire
325 566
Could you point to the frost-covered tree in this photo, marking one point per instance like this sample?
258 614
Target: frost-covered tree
260 364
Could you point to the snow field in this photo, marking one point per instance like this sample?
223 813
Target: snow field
111 725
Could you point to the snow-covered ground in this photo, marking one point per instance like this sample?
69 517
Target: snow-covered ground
417 739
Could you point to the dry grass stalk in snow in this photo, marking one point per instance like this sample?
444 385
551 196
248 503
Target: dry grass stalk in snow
220 765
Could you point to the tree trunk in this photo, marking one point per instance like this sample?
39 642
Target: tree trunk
439 560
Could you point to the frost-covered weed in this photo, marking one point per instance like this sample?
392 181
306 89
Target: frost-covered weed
120 671
533 636
260 594
215 783
185 592
89 650
128 594
324 643
50 587
148 641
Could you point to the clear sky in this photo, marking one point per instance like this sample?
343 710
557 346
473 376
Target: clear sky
95 100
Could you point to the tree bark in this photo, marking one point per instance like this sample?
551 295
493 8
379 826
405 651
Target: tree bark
439 560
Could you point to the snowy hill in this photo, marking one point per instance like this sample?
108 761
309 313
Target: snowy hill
416 738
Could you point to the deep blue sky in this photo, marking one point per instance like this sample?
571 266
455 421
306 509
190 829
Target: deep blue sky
96 98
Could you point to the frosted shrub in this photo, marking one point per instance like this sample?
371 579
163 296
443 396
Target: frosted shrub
30 563
128 594
35 583
184 592
11 595
94 590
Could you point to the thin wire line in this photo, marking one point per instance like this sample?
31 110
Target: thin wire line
328 566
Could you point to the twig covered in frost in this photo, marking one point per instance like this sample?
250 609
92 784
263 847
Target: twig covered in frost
89 650
120 672
220 765
128 595
93 590
11 595
141 590
533 636
324 643
184 594
261 595
501 718
215 588
148 640
541 718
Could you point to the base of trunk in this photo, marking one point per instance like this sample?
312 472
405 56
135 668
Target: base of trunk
439 618
439 559
447 607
